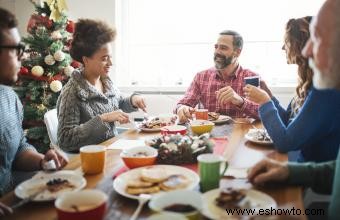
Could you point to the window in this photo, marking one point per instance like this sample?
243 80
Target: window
165 43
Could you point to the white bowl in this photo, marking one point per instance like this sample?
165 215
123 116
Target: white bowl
184 197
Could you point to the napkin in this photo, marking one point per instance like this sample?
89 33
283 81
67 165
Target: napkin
126 144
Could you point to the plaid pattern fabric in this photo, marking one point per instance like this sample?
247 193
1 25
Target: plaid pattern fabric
206 83
12 139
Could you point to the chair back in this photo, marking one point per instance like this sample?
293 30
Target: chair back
51 121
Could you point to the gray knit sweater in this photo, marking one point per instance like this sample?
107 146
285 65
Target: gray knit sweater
79 106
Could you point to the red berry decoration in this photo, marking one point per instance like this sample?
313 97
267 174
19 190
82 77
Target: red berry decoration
70 26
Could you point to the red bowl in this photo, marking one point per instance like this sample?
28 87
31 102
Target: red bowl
82 205
173 129
139 156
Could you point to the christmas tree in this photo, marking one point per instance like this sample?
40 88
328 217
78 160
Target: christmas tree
46 67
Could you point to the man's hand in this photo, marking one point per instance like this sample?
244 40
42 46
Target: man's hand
138 102
268 171
59 158
118 115
227 94
184 113
256 94
5 210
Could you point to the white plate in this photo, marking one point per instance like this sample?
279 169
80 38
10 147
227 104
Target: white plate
150 129
258 200
222 119
251 136
31 186
119 184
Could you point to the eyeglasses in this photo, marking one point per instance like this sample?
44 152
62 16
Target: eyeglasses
20 48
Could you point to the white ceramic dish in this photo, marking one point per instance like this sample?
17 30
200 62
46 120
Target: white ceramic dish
119 184
31 186
222 119
252 136
258 200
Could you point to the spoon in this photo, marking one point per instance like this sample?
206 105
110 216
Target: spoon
143 198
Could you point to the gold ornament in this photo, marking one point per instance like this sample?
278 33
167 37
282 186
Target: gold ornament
37 71
56 85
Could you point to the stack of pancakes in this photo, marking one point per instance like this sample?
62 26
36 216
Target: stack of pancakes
154 179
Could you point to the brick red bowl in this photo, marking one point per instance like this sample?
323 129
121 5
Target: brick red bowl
174 129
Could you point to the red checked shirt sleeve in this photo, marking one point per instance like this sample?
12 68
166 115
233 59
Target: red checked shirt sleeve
250 109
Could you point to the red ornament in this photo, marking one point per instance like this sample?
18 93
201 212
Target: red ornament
70 26
23 70
75 64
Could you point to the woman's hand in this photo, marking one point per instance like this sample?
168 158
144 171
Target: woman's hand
256 94
138 102
113 116
5 210
59 158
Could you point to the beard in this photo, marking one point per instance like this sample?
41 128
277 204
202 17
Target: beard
223 62
321 80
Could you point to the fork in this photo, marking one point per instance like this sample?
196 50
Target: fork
26 200
143 198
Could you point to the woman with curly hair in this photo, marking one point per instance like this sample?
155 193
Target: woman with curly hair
300 126
89 104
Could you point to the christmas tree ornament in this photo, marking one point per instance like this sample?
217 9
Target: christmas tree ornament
70 26
68 70
37 71
56 35
23 70
59 55
56 85
49 60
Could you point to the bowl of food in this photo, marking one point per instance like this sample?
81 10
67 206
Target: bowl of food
184 202
81 205
139 156
174 129
201 126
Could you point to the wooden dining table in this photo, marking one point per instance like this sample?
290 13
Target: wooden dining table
239 153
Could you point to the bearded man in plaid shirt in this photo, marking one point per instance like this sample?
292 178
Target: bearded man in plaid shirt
220 88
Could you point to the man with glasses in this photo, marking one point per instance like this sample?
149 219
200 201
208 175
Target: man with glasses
15 152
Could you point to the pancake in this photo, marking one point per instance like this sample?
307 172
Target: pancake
146 190
176 181
154 174
138 183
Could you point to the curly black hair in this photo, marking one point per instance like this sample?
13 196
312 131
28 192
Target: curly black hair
88 37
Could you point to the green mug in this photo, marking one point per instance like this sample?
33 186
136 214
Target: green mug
209 166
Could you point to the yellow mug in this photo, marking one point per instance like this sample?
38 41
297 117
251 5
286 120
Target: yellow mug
92 159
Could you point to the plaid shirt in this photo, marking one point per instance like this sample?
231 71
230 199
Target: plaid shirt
206 83
12 139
